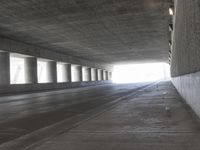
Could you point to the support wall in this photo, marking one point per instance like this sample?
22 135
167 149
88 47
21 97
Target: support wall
185 63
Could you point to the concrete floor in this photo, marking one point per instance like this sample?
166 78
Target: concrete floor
124 117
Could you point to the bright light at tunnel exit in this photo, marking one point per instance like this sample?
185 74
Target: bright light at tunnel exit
136 73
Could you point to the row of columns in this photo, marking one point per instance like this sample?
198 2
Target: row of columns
71 73
92 74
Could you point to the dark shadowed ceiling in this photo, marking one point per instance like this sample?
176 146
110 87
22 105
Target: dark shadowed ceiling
109 31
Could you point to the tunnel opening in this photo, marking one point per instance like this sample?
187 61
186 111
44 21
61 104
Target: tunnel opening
137 73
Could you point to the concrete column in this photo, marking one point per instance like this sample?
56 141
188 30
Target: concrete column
31 70
4 68
76 73
68 72
102 74
99 74
52 71
90 74
86 74
106 75
96 74
80 73
109 75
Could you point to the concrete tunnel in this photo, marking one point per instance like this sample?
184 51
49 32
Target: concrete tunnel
57 60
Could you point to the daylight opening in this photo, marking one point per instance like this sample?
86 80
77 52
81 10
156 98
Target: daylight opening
43 71
17 70
61 72
76 73
135 73
86 73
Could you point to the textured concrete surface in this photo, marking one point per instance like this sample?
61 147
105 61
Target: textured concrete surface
101 31
120 117
185 63
188 86
23 115
154 119
20 88
186 45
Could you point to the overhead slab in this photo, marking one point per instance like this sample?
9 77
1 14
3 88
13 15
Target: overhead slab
103 31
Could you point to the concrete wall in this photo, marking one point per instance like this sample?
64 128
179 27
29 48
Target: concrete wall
189 88
185 63
186 38
19 88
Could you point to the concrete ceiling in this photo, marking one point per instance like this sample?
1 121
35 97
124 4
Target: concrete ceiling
108 31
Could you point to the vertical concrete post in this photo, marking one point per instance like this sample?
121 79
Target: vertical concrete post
89 74
4 68
76 73
31 70
102 74
80 73
86 73
96 74
52 71
107 75
68 73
